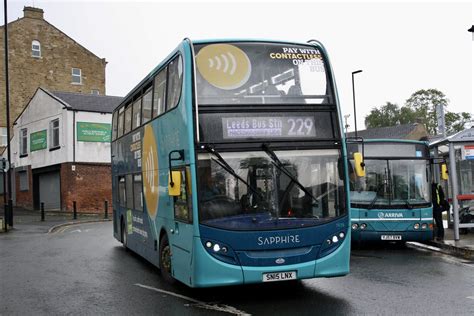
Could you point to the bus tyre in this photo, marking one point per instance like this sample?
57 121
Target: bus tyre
165 260
124 236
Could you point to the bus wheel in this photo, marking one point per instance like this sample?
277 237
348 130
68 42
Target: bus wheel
124 234
165 260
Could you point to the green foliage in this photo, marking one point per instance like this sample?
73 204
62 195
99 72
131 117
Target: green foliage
420 107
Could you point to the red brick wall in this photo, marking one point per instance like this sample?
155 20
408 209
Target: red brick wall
89 185
24 198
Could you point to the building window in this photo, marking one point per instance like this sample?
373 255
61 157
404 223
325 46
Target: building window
3 137
23 142
76 76
54 134
95 92
36 49
23 176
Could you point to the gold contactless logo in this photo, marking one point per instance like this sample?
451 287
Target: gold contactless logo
150 171
223 66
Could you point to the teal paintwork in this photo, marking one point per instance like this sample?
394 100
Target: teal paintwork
192 264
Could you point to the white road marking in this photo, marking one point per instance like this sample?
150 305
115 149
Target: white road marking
417 244
75 231
215 307
470 297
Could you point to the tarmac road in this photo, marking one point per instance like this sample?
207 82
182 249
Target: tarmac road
82 269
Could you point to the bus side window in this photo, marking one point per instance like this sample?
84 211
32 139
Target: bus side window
175 76
121 191
120 121
128 119
146 107
114 125
136 117
129 191
183 203
159 93
137 192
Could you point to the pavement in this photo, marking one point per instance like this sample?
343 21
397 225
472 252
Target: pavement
30 221
464 247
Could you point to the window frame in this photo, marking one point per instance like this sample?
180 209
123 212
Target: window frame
140 184
179 59
136 109
122 199
141 94
52 131
3 136
73 75
23 142
21 183
147 91
33 50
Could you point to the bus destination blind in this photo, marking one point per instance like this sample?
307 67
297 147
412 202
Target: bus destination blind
268 127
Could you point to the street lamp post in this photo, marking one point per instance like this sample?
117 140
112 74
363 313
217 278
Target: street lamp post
354 99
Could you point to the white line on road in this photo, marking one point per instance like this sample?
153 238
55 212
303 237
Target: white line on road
215 307
445 256
470 297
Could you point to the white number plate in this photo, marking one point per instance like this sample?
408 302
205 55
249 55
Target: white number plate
279 276
391 237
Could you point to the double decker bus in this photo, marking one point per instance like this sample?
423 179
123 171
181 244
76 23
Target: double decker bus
393 201
229 165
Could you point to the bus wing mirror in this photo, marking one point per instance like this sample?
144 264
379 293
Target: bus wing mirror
359 164
444 172
174 183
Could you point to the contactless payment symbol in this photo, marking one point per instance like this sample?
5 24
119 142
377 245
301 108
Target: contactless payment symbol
224 66
150 171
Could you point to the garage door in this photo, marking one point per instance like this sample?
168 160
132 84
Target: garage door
49 190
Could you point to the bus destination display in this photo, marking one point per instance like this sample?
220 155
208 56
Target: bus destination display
268 126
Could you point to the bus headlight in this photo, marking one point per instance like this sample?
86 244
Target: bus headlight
363 226
416 226
355 226
335 239
216 248
342 235
424 226
208 244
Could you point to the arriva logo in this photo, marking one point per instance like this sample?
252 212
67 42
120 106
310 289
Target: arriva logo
278 240
390 215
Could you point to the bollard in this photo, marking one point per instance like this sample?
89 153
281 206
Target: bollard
74 210
5 218
106 209
42 211
10 212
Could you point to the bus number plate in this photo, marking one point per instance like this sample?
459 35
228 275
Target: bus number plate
279 276
391 237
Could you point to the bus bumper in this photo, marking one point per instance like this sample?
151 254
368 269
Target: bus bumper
208 271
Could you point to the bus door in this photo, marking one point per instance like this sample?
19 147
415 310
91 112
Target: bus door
181 237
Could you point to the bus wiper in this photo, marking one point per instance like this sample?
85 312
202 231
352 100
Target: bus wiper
277 162
372 203
221 162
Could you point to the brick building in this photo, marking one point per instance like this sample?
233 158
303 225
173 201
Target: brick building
61 151
41 55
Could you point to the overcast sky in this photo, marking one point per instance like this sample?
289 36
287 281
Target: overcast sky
400 46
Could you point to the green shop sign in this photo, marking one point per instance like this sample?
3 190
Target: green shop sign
94 132
38 140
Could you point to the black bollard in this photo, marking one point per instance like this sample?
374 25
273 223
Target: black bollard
74 210
106 209
42 211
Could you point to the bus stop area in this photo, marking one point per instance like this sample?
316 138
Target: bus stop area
457 151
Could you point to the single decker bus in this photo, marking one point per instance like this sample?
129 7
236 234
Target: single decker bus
393 201
229 165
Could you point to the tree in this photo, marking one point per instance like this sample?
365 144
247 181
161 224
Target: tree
387 115
420 107
423 104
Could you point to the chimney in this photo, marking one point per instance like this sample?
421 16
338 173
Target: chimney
33 13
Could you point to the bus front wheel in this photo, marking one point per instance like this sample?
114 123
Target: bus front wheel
165 260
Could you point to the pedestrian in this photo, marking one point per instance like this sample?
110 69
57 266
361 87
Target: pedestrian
439 206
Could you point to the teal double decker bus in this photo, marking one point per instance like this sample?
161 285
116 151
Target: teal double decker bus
392 202
229 165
